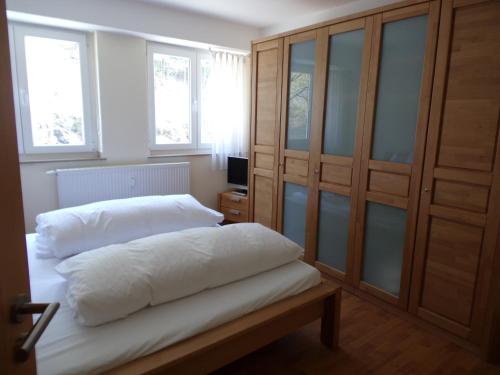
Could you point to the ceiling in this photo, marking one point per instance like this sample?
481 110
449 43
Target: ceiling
257 13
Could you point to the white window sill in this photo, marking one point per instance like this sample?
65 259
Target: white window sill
164 154
58 158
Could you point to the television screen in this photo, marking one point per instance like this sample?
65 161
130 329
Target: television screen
237 171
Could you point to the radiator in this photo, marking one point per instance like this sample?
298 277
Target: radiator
86 185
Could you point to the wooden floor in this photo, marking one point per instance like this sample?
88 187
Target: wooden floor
372 341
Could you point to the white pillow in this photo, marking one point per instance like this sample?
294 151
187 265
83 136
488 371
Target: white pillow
73 230
112 282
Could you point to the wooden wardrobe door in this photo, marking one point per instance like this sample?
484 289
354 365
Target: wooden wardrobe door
14 273
336 151
302 108
398 100
460 205
267 60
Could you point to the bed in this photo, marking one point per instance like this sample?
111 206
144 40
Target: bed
194 334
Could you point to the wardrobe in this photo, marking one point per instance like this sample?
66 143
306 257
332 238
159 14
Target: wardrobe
374 145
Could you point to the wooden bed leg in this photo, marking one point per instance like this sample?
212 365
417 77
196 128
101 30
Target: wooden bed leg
330 322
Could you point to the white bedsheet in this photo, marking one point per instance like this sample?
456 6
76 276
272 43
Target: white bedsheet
69 348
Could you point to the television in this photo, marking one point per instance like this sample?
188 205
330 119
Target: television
237 173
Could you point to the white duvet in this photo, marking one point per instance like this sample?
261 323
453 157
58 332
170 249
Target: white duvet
115 281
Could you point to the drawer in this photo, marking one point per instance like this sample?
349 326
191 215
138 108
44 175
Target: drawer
237 202
233 214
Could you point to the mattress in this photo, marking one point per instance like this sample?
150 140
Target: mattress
69 348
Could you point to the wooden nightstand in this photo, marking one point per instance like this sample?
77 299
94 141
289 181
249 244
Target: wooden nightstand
234 206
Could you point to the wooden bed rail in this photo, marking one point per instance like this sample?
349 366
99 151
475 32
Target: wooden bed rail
219 346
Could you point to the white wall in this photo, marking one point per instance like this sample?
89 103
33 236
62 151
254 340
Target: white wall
140 18
122 85
122 75
121 53
325 15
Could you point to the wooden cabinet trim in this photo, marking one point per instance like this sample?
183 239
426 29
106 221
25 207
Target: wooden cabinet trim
389 183
319 95
369 113
263 172
487 302
463 3
337 189
423 172
420 146
277 132
296 154
289 153
413 170
367 13
325 268
482 330
265 149
354 222
347 26
264 46
387 199
343 161
299 180
379 293
471 177
343 187
441 71
402 13
335 174
384 166
296 167
303 37
251 161
441 321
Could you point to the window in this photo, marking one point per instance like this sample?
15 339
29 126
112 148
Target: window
178 79
52 90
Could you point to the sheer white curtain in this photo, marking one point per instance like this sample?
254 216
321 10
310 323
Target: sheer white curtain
228 94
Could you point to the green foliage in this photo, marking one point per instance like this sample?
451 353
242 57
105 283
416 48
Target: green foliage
299 101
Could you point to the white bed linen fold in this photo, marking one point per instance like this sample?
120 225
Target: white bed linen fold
115 281
66 347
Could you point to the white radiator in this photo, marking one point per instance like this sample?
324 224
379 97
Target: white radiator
86 185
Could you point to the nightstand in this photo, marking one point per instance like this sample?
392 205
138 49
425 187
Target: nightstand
234 206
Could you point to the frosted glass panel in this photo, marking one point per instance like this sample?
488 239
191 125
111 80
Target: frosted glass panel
333 230
400 75
300 94
385 230
344 69
294 213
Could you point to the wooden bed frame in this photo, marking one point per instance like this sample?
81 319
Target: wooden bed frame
219 346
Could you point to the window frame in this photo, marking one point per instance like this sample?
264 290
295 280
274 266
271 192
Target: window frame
201 55
194 57
18 31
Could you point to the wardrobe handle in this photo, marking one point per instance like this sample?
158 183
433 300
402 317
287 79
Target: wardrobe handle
427 189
